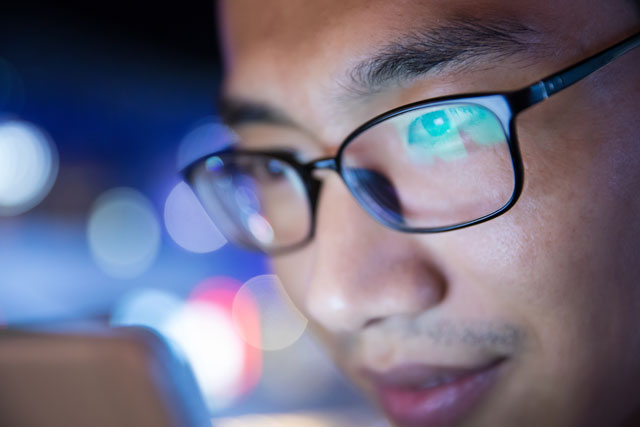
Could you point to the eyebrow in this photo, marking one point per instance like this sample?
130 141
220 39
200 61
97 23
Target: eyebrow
457 42
235 112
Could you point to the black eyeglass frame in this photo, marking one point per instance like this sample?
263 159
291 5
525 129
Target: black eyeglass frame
516 101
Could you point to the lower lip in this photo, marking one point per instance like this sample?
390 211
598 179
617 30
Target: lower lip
438 406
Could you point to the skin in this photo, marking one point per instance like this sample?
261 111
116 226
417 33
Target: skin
555 279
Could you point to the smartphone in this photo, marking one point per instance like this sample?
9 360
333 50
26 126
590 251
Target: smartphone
95 376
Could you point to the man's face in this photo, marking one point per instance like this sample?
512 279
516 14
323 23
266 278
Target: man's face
529 319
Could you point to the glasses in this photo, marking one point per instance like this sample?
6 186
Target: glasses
427 167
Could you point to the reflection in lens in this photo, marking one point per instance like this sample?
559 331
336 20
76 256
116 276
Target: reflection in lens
260 229
214 164
258 201
435 133
246 198
28 166
123 233
281 324
188 224
436 123
377 192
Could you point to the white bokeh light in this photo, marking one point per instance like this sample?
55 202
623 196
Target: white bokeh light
188 224
200 332
281 323
145 307
123 233
206 336
28 166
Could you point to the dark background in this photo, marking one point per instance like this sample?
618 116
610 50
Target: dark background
111 80
187 27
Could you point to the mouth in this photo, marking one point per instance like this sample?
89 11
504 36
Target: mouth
419 395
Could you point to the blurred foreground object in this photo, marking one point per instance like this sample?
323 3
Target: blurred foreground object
95 376
358 418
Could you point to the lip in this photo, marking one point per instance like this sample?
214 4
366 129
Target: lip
418 395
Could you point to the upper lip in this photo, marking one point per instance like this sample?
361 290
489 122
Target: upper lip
417 375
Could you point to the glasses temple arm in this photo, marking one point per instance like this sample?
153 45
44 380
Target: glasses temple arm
561 80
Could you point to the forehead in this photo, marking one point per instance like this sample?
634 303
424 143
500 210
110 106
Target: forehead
305 25
280 29
294 55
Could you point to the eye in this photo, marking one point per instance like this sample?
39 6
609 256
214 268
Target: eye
275 169
435 134
432 129
267 170
435 123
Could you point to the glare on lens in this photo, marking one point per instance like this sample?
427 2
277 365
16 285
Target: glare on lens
214 164
260 228
188 224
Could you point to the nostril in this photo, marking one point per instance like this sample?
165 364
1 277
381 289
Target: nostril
372 322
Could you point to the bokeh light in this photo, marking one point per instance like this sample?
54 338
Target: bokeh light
188 224
208 136
145 307
280 420
281 323
28 166
201 330
332 418
123 233
206 336
221 292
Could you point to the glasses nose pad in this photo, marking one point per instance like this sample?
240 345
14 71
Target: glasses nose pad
374 190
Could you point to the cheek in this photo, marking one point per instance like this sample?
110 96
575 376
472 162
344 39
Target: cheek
294 271
564 263
567 237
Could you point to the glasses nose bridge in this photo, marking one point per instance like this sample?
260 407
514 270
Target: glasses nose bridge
326 163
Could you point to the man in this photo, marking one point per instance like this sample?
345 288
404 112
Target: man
477 264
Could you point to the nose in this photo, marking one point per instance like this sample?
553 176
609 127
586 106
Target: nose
363 272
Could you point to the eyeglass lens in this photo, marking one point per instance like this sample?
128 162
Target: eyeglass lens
431 167
259 200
